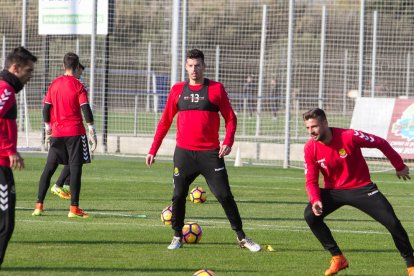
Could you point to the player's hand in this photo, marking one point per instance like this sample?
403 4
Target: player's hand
317 208
224 150
16 161
404 173
48 134
93 141
149 160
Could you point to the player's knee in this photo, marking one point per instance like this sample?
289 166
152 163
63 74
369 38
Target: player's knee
179 197
393 225
224 197
309 216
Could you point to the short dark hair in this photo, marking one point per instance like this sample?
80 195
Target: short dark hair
195 54
81 66
71 61
20 56
315 113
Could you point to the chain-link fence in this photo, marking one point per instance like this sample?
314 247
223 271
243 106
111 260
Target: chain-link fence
268 54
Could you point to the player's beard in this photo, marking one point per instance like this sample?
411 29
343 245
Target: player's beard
322 136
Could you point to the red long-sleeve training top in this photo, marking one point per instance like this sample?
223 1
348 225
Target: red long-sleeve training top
341 162
197 129
8 126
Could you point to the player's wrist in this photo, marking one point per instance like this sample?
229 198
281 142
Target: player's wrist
91 127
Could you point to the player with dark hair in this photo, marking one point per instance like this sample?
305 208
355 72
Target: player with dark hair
19 66
62 185
65 99
198 102
336 153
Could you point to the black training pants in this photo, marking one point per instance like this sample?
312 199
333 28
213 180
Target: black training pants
188 165
367 199
7 208
71 151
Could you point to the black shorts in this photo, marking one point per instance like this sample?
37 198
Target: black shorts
69 150
189 164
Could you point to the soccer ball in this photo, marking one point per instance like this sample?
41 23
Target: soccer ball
166 215
204 272
192 232
198 195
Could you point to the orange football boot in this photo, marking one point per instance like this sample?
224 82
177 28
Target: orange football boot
338 263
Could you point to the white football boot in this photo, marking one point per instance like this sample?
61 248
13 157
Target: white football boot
249 244
175 243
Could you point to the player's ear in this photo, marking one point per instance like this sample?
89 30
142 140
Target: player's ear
14 68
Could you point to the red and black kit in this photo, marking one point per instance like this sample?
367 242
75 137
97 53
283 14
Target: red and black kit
9 86
198 144
65 101
347 181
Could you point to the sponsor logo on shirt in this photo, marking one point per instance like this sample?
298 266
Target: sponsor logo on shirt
342 153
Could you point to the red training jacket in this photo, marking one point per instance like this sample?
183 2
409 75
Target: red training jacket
197 129
341 162
8 126
66 94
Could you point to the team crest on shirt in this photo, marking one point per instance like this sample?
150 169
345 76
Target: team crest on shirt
176 171
342 153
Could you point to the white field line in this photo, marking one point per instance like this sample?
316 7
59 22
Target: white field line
265 188
208 223
99 213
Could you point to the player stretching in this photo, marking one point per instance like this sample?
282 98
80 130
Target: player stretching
198 102
19 66
336 153
65 99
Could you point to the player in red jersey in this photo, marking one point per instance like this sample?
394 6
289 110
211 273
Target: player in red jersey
198 102
65 99
19 66
62 186
336 153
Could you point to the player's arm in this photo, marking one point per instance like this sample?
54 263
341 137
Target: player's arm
164 124
312 176
149 160
230 121
16 161
8 138
363 139
88 115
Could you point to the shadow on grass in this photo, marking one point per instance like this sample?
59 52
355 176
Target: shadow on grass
391 250
113 242
67 209
301 219
272 202
111 269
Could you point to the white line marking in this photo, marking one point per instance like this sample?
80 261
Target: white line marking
209 224
265 188
99 213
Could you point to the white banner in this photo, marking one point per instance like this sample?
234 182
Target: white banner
373 115
71 17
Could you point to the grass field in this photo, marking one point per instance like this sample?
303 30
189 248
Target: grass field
115 240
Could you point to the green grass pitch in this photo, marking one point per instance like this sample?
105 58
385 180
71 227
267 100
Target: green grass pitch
116 240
